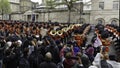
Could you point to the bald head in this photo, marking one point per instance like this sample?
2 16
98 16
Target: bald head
48 56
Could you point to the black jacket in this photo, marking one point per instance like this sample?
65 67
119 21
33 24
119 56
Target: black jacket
47 65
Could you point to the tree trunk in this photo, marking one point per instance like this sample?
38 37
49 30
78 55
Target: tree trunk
69 16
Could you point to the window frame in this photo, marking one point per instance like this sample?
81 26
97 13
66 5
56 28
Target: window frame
115 5
101 5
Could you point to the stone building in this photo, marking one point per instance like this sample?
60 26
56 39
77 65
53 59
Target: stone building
18 8
94 11
60 13
104 11
26 8
15 9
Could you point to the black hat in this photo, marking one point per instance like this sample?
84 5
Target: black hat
104 34
30 38
14 39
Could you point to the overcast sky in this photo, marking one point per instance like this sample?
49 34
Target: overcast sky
41 1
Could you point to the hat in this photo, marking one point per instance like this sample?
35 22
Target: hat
39 42
14 38
19 42
9 43
30 38
57 42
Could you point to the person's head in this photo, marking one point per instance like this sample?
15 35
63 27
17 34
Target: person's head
103 50
48 56
105 56
79 54
68 55
89 45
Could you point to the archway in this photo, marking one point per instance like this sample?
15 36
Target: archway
100 21
81 21
114 21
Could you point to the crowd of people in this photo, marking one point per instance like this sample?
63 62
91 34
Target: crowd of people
57 45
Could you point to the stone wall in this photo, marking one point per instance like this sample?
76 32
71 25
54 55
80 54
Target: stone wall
108 14
63 17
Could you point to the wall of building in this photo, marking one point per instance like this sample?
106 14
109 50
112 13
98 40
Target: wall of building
25 5
15 7
107 14
15 1
63 17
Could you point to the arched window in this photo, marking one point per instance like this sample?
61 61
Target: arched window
100 21
114 22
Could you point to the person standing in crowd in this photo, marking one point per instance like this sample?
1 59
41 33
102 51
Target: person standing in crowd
35 58
25 44
104 63
85 59
113 61
101 59
23 62
90 52
43 32
48 62
2 48
68 62
12 55
53 48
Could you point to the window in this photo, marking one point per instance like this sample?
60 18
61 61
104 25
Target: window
101 5
100 21
115 5
114 22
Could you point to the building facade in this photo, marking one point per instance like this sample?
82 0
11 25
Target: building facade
15 10
26 8
18 8
60 13
104 12
94 12
26 5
